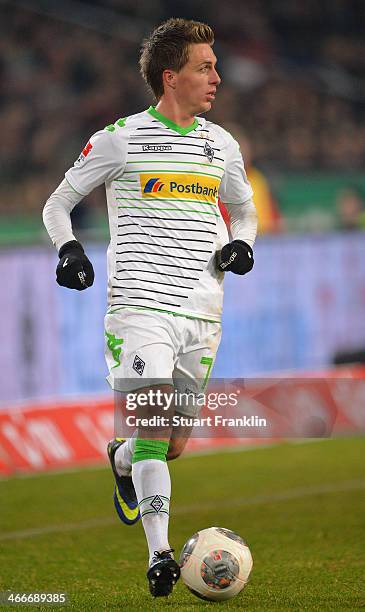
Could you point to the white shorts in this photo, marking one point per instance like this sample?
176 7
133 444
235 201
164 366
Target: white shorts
144 348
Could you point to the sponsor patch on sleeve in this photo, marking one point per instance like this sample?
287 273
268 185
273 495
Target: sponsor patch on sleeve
84 153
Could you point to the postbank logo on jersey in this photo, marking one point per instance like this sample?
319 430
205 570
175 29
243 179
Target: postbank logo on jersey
179 186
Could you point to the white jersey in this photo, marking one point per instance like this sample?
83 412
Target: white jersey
162 185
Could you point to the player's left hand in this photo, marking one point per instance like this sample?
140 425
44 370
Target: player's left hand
236 257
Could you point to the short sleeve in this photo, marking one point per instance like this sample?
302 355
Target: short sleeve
235 187
102 159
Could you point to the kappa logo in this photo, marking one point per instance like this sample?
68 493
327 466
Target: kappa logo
156 148
153 185
138 365
114 345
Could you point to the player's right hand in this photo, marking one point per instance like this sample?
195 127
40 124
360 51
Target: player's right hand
74 270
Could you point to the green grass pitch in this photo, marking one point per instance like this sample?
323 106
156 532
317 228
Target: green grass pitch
300 507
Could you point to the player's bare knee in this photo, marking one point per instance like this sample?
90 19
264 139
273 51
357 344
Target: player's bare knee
173 453
176 447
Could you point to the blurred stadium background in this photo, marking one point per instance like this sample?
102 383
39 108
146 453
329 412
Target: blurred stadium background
293 93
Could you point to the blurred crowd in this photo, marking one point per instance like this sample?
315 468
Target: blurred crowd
293 81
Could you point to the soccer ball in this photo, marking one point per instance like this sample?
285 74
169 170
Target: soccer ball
215 564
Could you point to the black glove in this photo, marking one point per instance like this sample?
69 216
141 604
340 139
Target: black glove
74 270
236 257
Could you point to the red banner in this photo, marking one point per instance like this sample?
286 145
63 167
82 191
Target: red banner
61 435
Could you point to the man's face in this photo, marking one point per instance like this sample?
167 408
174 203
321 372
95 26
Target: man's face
197 81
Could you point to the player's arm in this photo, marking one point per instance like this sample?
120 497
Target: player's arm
101 160
237 255
236 193
74 269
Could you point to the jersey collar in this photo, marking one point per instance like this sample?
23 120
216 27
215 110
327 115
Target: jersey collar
170 124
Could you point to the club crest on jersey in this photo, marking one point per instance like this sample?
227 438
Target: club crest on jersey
180 186
209 152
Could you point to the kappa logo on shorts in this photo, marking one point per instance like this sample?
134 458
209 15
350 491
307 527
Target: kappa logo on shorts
157 503
138 365
114 345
